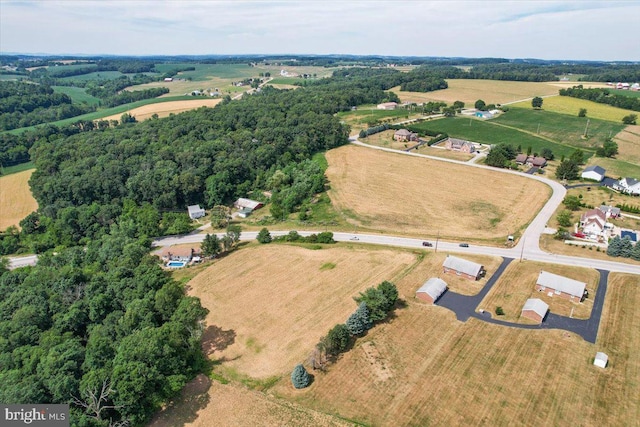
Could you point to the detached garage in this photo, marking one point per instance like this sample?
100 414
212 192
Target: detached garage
535 309
431 290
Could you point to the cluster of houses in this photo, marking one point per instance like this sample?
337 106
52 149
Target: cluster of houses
627 185
433 288
554 285
625 86
531 161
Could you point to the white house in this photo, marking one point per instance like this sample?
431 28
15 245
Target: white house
593 223
628 186
195 212
595 173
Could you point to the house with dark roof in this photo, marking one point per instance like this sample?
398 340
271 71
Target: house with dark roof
531 161
521 159
431 290
561 286
595 173
610 211
628 186
463 267
405 135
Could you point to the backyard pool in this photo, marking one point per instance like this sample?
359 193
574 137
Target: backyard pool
176 264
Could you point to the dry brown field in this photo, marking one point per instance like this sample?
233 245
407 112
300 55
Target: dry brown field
16 201
164 109
628 141
271 304
517 284
421 197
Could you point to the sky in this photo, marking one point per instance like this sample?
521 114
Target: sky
572 30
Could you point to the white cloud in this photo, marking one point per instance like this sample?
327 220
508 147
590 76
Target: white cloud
548 30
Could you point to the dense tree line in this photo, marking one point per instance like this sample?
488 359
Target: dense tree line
126 96
25 104
602 96
99 320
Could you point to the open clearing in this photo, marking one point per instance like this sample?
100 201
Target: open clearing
408 195
490 91
164 109
571 106
628 141
517 285
16 201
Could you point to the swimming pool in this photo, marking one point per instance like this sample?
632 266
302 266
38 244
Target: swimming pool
176 264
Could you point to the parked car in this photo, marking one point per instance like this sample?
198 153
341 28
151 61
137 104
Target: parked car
464 245
427 244
354 238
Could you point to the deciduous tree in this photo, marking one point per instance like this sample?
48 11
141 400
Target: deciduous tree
536 102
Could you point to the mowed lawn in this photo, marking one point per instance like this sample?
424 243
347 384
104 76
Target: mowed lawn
16 201
269 305
561 127
426 368
571 106
517 284
422 197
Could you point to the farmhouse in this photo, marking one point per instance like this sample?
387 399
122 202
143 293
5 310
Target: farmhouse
535 309
431 290
564 287
628 186
387 106
610 211
178 254
595 173
405 135
462 267
195 211
601 360
521 159
459 145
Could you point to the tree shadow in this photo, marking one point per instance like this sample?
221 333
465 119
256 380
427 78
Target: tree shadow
215 339
184 408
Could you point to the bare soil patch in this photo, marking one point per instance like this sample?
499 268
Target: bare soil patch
517 284
163 109
402 194
16 201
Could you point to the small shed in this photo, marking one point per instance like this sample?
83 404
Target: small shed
431 290
195 211
535 309
601 360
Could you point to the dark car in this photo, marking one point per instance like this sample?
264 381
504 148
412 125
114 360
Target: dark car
427 244
464 245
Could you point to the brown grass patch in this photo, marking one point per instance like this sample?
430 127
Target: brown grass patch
517 284
270 304
549 244
164 109
402 194
628 141
16 201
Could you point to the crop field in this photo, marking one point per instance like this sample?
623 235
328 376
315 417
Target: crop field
163 109
271 304
77 94
490 132
569 106
490 91
560 127
475 373
16 201
517 285
628 141
419 197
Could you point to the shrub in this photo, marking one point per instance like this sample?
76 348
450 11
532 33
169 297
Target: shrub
499 311
300 377
264 236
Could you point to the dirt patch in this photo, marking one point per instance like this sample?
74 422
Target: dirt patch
376 361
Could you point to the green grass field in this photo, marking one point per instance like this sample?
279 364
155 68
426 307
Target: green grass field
570 106
4 77
616 168
563 128
630 93
486 132
77 94
17 168
205 71
54 71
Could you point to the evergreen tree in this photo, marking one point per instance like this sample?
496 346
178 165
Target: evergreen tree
615 246
635 253
390 292
359 321
300 377
626 247
375 302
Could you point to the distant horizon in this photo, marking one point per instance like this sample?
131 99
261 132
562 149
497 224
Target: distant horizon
601 31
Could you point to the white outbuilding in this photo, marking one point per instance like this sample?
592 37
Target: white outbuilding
595 173
601 360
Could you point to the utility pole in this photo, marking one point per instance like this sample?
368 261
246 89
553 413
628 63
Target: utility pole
522 250
437 238
586 128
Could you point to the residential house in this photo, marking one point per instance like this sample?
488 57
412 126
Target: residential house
535 309
402 135
178 254
610 211
387 106
431 290
635 86
563 287
595 173
246 206
463 267
592 223
195 211
628 186
459 145
521 159
531 161
168 79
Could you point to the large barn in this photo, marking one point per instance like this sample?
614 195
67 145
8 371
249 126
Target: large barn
462 267
561 286
431 290
535 309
